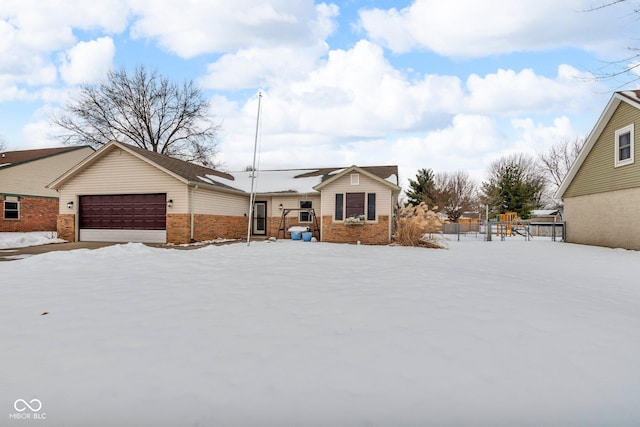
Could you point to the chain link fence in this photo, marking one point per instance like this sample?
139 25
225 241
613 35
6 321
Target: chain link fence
478 230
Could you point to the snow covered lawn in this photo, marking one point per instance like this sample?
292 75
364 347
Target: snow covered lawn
312 334
22 240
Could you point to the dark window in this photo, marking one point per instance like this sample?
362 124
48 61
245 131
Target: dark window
305 216
371 206
11 210
355 204
624 144
339 207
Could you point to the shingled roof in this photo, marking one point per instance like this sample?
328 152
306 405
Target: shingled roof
189 171
382 172
22 156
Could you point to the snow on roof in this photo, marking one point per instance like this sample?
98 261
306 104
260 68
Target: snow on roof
544 212
300 181
632 94
275 181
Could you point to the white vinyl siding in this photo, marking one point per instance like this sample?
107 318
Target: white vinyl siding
366 185
119 172
219 203
290 202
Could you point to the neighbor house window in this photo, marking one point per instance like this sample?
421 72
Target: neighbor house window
305 216
339 216
624 146
355 204
371 207
11 209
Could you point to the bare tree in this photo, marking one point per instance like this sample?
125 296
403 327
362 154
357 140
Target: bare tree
455 194
627 66
3 144
142 109
558 160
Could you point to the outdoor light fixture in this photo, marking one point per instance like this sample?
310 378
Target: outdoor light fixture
169 203
280 206
70 205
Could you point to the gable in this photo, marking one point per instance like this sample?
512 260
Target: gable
366 184
597 172
118 171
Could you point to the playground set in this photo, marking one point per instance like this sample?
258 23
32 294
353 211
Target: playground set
509 224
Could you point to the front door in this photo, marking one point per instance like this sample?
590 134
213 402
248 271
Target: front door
259 218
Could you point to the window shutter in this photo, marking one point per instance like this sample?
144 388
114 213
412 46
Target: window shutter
339 207
371 206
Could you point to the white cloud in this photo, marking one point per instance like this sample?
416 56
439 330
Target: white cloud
87 62
355 107
470 28
250 68
194 27
32 31
511 92
535 138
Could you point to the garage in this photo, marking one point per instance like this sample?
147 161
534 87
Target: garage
123 218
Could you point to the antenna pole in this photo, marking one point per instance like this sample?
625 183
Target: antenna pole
253 173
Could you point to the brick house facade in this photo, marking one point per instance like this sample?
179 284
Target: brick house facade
199 203
25 203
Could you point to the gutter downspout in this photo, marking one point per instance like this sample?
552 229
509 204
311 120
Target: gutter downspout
192 212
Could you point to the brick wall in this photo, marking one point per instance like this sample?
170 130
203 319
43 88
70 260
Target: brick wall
205 227
604 219
370 233
66 227
36 214
178 228
209 227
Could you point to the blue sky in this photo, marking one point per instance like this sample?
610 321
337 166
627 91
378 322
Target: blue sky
420 84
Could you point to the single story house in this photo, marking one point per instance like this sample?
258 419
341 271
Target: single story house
27 205
125 193
601 192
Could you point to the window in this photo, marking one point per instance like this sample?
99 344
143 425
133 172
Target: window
339 207
624 146
11 210
371 207
305 216
355 204
355 179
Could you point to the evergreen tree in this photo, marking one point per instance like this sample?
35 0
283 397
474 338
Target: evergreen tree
422 190
515 185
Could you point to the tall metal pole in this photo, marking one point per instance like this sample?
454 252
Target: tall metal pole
253 173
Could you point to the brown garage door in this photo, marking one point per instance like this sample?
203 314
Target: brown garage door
124 212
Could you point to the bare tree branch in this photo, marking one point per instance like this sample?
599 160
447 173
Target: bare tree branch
142 109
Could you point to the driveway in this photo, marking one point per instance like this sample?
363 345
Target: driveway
18 253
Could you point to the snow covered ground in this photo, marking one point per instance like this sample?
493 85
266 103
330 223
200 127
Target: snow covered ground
22 240
291 333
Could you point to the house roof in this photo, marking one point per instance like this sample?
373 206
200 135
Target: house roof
189 171
186 172
387 175
631 97
303 181
13 158
285 181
